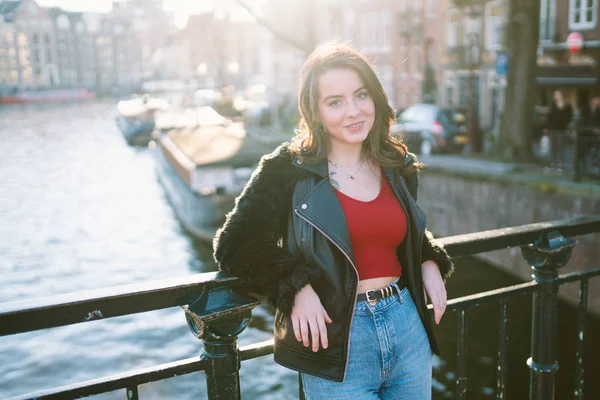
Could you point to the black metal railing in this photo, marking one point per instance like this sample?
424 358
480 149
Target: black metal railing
217 314
586 160
579 150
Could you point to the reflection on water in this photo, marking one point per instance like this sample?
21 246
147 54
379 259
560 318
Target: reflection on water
79 209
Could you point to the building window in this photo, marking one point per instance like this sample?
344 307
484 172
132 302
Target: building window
377 31
453 29
430 8
463 91
408 60
416 61
22 39
471 26
387 31
449 96
62 22
402 6
583 14
402 63
494 26
547 20
387 74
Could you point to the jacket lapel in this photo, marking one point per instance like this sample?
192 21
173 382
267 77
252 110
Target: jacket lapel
323 210
403 195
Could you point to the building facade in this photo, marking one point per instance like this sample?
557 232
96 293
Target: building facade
45 48
9 67
574 72
474 37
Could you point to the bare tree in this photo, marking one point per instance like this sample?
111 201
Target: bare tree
305 47
522 39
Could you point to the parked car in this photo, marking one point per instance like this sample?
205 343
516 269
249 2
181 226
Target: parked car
428 128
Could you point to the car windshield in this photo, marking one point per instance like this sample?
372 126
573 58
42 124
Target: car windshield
418 113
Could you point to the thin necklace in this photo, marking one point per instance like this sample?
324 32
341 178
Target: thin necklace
341 168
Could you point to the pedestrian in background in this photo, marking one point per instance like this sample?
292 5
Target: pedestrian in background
559 118
588 136
329 229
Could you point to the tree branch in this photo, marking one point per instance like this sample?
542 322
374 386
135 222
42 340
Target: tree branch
278 34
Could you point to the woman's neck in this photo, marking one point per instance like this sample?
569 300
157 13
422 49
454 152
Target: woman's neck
345 154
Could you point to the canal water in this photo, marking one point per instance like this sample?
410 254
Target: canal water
79 210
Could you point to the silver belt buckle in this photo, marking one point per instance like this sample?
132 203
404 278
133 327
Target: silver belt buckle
368 292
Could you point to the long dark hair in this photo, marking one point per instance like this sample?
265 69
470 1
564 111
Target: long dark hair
311 140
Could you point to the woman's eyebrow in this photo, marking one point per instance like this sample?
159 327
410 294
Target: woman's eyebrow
335 96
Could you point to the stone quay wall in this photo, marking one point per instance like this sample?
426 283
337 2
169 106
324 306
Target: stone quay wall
459 199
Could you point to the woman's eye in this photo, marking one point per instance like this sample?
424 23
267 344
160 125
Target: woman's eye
363 95
335 103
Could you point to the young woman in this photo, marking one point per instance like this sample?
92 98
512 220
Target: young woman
329 229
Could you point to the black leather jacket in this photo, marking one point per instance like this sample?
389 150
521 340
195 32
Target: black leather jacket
288 229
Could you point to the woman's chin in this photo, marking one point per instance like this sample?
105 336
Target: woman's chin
353 138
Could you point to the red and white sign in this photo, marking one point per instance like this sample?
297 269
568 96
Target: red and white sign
574 42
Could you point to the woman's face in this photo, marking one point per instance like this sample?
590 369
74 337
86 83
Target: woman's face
558 96
346 108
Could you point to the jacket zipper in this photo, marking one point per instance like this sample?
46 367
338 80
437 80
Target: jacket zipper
357 278
420 242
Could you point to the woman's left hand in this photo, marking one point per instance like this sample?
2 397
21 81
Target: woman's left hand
435 289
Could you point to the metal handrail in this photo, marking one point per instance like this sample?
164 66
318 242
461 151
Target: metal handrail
67 309
143 375
208 300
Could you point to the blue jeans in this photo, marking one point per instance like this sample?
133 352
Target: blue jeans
390 355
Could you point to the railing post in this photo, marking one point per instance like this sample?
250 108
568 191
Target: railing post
217 317
545 256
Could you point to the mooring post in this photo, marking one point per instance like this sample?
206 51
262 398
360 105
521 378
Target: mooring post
545 256
217 317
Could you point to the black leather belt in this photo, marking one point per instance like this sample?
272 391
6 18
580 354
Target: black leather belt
382 293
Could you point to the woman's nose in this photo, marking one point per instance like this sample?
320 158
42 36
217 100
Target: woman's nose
352 110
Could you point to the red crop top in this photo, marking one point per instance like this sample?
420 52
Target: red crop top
376 228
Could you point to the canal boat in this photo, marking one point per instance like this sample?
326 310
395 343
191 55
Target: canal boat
203 169
189 117
45 96
136 118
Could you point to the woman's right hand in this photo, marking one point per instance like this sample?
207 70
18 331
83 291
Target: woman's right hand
309 318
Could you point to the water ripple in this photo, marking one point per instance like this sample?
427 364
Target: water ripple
81 210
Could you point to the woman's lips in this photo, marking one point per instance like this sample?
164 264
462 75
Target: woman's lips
355 127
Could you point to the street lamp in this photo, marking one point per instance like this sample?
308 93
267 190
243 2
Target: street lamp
473 10
472 125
